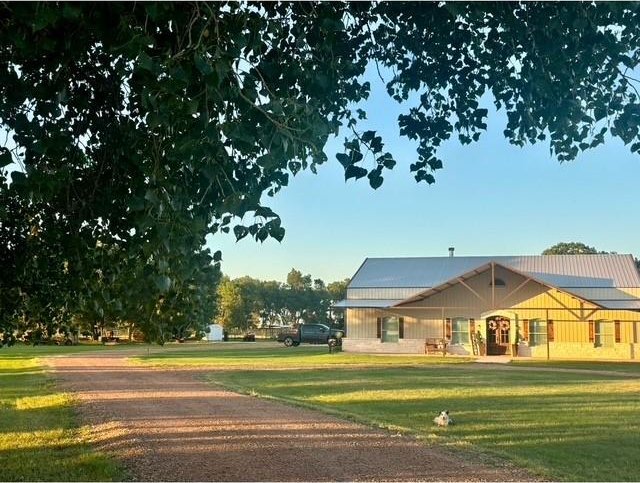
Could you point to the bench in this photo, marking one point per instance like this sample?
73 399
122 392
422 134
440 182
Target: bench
434 345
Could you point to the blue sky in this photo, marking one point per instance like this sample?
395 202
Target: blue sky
490 198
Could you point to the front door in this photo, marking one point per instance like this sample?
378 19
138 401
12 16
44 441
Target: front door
498 328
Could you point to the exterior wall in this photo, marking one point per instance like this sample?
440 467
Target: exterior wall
404 346
582 350
425 319
362 324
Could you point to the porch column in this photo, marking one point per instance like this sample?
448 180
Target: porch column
546 325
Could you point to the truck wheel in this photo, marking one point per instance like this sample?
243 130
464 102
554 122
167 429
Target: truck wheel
288 341
296 344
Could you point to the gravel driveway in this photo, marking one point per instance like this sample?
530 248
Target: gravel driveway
166 425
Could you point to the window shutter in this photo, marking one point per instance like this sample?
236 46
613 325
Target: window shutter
447 330
617 330
379 328
401 328
591 331
550 333
525 329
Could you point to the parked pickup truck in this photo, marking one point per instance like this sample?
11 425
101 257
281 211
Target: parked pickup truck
310 333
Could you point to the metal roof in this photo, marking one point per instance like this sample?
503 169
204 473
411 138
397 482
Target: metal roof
619 304
365 304
565 271
603 294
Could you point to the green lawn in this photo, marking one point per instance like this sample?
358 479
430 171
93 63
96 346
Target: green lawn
272 356
622 367
39 438
560 425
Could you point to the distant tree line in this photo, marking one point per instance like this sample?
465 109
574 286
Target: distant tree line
245 303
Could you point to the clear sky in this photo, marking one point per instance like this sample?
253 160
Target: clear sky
491 198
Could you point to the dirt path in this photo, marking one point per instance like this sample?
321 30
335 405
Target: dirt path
169 426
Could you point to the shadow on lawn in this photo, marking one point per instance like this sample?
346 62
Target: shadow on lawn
567 425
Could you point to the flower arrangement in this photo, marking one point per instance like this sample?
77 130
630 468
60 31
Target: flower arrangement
499 322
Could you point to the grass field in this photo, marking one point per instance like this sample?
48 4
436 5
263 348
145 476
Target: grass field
274 357
581 423
39 438
622 367
560 425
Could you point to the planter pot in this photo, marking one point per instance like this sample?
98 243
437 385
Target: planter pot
482 348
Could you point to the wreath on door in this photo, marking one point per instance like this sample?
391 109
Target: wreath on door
499 322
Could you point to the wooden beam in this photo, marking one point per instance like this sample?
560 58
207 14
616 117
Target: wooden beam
577 316
515 289
472 290
586 317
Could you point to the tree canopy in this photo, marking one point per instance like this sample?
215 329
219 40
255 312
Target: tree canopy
134 130
571 248
246 302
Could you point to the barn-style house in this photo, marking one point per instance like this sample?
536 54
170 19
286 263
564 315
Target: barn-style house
553 306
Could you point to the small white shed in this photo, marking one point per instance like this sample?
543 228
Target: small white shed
215 333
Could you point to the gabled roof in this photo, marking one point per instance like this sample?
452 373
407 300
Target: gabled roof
484 268
564 271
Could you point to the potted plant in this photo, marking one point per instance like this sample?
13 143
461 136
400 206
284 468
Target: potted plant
482 346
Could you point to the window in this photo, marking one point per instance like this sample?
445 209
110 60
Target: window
498 283
390 329
460 331
537 332
604 334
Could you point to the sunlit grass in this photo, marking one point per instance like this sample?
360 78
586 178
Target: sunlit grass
22 351
39 438
560 425
41 402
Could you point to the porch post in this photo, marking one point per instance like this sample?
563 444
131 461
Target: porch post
513 337
493 285
546 325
